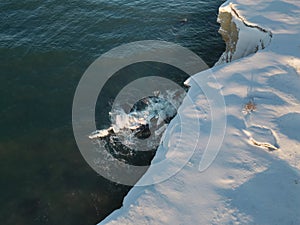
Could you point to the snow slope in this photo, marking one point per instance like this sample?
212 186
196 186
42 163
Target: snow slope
255 177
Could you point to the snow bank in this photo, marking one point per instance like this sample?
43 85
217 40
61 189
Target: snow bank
255 178
241 37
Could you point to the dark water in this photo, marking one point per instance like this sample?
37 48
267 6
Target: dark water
45 46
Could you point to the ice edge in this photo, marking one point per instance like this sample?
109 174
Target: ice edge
232 24
227 7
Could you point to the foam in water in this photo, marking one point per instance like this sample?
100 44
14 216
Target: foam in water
146 121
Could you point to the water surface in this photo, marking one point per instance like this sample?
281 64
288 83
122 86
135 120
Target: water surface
45 47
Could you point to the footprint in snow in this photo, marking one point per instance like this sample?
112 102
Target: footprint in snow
262 137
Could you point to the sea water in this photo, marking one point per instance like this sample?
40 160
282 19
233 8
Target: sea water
45 47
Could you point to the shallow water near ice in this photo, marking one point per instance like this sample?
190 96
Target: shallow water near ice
45 47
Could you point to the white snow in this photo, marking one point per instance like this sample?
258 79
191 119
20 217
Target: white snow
244 37
255 177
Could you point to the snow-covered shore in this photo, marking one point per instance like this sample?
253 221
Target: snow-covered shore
255 178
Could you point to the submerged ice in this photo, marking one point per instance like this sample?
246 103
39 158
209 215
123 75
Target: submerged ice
142 128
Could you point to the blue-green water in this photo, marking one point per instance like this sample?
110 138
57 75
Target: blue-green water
44 49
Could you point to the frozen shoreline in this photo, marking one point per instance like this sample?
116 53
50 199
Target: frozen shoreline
247 183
